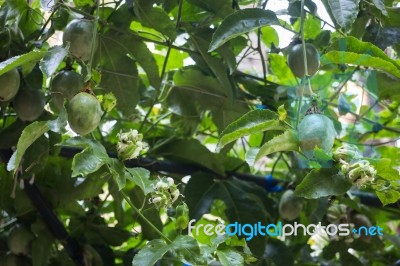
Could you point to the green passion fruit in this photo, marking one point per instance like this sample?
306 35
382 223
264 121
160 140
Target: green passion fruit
29 104
316 130
19 240
290 206
295 60
79 34
9 85
64 86
84 113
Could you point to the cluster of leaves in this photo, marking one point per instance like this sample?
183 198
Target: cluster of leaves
177 72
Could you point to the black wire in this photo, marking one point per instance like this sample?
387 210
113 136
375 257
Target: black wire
154 165
56 227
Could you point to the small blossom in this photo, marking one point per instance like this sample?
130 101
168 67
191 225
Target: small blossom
170 181
165 193
130 145
361 173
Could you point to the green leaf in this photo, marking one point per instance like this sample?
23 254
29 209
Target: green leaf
274 251
207 90
221 8
344 105
269 36
117 170
338 57
348 259
132 45
285 142
91 185
251 123
151 253
9 135
140 177
119 73
244 202
152 214
90 159
111 235
201 40
321 183
388 196
380 4
83 2
344 11
352 44
384 86
41 247
251 154
188 249
159 20
281 71
20 60
196 81
59 124
120 77
200 193
194 152
229 257
29 135
240 22
386 169
312 27
35 157
53 59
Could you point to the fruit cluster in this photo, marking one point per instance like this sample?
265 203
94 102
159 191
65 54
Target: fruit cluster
316 129
84 110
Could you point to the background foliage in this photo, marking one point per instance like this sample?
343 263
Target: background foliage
180 74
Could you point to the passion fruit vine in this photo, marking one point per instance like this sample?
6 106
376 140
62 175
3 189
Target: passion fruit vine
79 34
295 60
84 113
29 104
9 85
64 86
316 130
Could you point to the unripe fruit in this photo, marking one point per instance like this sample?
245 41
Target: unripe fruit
296 60
19 240
316 130
290 206
64 86
9 85
29 104
79 33
84 113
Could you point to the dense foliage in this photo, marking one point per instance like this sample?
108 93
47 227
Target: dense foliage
146 114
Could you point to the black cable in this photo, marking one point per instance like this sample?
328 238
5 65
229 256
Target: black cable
55 226
154 165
